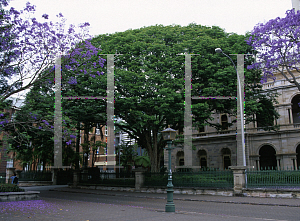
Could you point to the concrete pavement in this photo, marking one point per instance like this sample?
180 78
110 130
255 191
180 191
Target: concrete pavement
82 208
201 198
57 209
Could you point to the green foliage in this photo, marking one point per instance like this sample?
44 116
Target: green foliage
127 155
149 79
4 187
32 140
143 161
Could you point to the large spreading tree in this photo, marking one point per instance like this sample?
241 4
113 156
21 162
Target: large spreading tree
149 82
149 79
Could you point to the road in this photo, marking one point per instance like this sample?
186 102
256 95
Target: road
57 205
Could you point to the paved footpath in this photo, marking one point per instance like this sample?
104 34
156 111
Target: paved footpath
186 197
73 210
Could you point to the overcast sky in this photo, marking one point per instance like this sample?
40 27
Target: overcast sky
110 16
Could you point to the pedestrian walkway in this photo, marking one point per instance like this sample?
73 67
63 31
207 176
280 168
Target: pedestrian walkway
78 207
68 210
183 197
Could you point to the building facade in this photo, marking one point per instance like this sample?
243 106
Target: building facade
264 149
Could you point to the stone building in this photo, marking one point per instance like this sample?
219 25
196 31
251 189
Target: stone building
280 148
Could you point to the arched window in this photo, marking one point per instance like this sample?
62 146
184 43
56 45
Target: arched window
224 122
226 157
296 109
202 158
298 156
267 157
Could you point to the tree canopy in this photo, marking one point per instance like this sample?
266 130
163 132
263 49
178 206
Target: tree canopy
149 79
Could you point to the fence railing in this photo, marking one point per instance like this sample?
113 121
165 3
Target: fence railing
155 179
64 177
35 176
277 179
107 178
206 178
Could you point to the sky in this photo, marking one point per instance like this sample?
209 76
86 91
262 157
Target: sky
110 16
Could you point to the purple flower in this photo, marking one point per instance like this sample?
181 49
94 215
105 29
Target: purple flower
72 136
72 80
100 73
45 122
45 16
60 15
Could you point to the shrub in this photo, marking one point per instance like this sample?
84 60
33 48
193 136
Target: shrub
4 187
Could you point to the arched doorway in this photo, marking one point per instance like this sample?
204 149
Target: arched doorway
226 157
202 158
180 158
267 159
296 109
298 156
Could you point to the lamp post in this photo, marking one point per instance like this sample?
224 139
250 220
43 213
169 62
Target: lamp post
219 50
169 135
120 162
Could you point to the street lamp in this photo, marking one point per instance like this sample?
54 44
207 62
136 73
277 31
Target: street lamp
169 135
219 50
120 150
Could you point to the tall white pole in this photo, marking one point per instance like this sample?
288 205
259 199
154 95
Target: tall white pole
296 5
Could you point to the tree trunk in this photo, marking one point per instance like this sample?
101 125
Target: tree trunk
77 146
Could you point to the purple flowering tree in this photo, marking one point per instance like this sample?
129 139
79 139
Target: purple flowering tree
30 47
28 50
277 43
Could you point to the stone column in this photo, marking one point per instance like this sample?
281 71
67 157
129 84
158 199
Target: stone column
139 178
239 179
75 178
9 173
278 162
255 161
54 176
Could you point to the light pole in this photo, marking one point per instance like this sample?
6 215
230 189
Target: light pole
120 162
219 50
169 135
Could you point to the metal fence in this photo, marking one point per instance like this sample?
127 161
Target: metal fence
35 176
155 179
211 178
277 179
95 176
64 177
